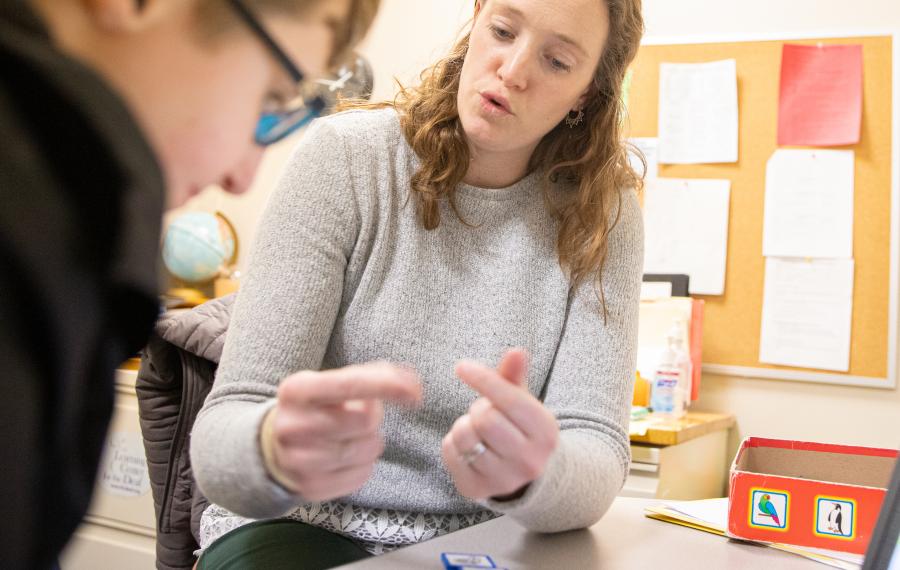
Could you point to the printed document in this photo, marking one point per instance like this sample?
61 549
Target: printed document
649 147
807 310
698 112
686 229
809 204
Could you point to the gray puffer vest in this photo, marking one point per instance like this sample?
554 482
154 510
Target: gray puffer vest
177 370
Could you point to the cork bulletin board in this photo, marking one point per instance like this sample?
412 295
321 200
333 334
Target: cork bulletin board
732 321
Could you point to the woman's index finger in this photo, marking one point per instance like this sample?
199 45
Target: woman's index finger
512 400
375 381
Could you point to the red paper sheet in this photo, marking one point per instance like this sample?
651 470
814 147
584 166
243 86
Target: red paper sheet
821 95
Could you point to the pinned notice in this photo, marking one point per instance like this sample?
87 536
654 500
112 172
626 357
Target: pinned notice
649 148
698 112
686 225
809 204
807 311
821 95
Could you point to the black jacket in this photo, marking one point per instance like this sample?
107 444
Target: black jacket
81 198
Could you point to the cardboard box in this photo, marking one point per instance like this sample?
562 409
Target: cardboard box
807 494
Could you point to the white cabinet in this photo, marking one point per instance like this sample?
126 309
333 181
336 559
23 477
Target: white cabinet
694 469
119 529
100 547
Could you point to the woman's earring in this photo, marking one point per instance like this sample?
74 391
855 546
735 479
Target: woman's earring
573 122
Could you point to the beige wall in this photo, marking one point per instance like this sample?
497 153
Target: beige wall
409 33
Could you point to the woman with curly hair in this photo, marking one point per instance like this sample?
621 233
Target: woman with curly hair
471 252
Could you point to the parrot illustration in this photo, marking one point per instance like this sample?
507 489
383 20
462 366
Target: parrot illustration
767 509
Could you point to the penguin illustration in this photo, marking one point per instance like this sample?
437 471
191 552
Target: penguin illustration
834 520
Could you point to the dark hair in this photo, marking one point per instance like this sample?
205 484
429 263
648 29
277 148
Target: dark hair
217 17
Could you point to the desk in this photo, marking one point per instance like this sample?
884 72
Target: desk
624 538
683 459
691 426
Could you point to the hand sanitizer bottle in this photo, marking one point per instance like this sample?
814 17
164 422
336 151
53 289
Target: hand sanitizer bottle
671 381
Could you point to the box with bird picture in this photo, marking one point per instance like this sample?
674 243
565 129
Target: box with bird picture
807 494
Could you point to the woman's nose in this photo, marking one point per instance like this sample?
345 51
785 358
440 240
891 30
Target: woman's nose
514 70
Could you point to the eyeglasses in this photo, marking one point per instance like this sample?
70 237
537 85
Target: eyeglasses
308 102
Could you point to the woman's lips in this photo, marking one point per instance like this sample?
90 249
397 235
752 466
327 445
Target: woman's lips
495 103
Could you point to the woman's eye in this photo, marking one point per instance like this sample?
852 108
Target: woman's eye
559 65
500 33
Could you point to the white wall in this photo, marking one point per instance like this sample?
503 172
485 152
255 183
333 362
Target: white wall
410 33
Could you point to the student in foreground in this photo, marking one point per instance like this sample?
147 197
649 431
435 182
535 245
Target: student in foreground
419 242
111 110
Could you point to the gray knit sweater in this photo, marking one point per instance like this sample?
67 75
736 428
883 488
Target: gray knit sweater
343 272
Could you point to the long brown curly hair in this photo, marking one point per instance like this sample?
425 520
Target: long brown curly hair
592 157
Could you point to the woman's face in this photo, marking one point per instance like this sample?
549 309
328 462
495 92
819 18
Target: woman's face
529 63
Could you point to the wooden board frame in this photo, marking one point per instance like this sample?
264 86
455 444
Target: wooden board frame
888 381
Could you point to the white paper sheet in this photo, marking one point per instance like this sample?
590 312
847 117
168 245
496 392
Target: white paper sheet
714 513
698 112
650 149
809 204
806 315
686 227
651 291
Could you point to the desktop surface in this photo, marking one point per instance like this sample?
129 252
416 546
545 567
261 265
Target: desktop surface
624 538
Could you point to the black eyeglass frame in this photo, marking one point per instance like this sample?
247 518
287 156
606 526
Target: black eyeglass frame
269 130
283 58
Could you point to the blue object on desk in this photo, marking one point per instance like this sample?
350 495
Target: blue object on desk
462 560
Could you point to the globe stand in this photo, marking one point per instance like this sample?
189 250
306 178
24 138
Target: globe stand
188 293
184 296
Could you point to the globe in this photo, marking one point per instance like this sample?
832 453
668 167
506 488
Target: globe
198 245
